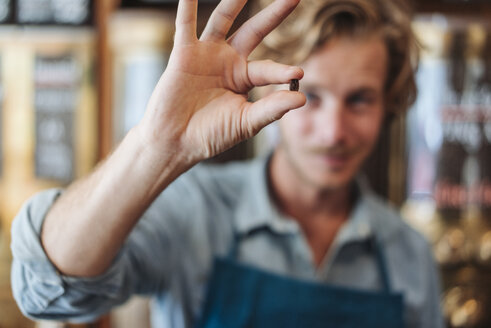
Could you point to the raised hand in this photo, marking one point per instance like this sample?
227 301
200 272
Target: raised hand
199 108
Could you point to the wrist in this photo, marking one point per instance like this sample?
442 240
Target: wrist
160 161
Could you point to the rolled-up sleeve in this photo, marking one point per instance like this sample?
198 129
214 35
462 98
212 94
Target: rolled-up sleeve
42 292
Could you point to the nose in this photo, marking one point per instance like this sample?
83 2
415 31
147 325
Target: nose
331 124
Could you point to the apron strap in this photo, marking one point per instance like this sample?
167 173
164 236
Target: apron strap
381 263
234 249
238 237
374 246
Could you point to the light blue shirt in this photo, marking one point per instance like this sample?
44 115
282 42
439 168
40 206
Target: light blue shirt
169 253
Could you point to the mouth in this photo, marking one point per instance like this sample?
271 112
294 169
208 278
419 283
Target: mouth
333 161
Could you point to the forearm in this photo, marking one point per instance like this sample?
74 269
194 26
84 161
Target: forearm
88 224
198 109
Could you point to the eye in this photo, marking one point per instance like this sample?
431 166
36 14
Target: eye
312 98
361 101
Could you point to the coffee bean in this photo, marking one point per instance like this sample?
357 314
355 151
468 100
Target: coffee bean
294 85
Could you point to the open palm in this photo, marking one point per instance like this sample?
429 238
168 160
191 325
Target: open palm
200 104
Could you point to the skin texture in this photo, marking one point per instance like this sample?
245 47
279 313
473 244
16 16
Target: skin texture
198 109
324 143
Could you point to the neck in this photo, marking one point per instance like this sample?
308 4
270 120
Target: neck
320 212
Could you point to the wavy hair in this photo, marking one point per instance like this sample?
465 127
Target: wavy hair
315 22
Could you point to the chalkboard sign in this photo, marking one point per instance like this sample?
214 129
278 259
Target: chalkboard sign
57 80
58 12
450 125
6 11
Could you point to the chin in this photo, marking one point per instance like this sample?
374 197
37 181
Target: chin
331 181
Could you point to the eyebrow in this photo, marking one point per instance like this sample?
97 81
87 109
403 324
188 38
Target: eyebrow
362 90
359 90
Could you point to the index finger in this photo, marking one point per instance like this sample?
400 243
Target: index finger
187 12
252 32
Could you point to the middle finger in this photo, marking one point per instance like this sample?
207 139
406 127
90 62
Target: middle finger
221 19
249 35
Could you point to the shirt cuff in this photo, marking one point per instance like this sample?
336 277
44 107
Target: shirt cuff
36 283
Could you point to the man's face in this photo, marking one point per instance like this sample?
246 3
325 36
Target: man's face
324 143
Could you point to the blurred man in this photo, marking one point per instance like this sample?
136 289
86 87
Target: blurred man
290 240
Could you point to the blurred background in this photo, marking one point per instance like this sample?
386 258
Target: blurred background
75 76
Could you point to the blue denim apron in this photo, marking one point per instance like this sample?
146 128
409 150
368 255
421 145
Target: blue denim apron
242 296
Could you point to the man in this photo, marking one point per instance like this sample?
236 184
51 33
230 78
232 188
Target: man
291 240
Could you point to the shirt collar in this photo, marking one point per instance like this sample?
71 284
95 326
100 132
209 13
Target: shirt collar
368 218
257 209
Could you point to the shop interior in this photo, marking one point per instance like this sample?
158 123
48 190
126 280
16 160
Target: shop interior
75 76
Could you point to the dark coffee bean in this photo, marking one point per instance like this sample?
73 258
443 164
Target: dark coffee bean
294 85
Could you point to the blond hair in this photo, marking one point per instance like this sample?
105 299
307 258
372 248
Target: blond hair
315 22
